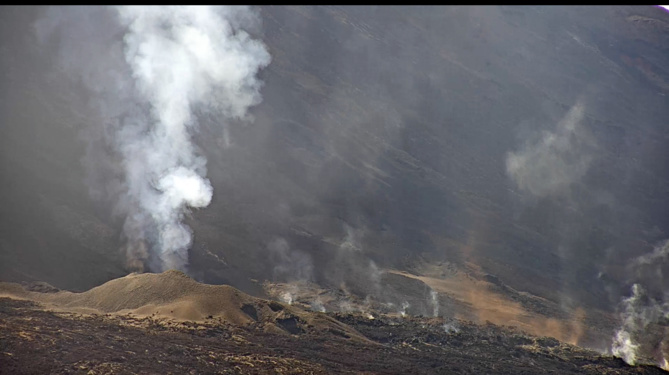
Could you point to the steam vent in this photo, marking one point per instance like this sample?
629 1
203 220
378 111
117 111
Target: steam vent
333 189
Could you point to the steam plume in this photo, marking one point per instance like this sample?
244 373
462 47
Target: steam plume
175 61
181 58
644 313
624 345
291 264
434 302
554 162
639 311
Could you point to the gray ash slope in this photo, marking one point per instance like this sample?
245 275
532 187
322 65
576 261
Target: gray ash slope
384 134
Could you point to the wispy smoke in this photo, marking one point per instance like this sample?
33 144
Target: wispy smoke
405 307
651 270
556 160
317 305
660 253
624 347
375 277
646 311
451 327
289 264
180 60
351 241
638 312
286 297
434 302
623 344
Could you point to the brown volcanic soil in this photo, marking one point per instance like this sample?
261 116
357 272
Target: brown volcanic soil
125 336
464 293
173 296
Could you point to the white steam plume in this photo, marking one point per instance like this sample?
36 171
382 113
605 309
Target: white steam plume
644 314
659 254
290 264
180 58
451 328
638 312
555 161
403 310
172 61
434 302
624 345
145 88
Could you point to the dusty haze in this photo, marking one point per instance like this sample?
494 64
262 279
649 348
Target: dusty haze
527 142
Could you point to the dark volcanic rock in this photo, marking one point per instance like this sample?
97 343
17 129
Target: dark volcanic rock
37 342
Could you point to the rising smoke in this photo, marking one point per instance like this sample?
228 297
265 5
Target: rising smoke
644 315
639 314
289 264
557 160
172 62
373 146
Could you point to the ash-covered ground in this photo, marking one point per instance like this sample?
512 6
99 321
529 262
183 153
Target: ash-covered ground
500 164
38 341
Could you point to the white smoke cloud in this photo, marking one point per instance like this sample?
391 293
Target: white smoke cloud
646 310
451 328
659 254
434 302
375 273
175 60
558 159
351 240
624 347
317 305
290 264
286 297
638 312
182 57
405 307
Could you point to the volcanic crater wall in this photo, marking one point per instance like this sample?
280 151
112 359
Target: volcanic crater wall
527 140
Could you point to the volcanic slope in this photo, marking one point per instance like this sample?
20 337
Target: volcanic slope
169 323
173 296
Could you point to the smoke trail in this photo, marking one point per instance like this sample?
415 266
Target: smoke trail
624 345
403 310
660 254
171 62
639 312
557 160
290 264
434 302
180 57
645 313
